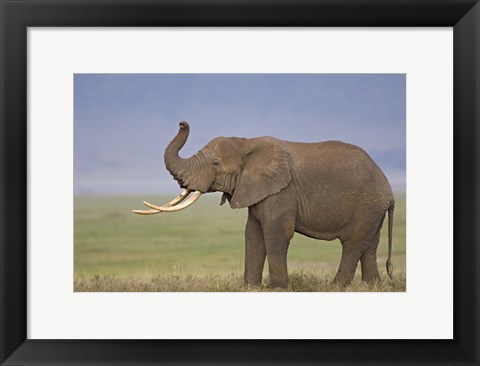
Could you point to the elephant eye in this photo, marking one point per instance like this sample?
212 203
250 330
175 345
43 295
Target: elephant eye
216 162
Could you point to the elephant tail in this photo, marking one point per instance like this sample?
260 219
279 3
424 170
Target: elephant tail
390 229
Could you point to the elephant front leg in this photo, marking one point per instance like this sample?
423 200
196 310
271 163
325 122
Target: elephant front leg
255 252
277 236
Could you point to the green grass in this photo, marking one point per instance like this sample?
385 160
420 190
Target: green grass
198 249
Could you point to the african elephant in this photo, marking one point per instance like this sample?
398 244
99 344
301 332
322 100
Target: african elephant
324 190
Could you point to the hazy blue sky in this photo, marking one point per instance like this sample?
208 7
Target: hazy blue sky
123 122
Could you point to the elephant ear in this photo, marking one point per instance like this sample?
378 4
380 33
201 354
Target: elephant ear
266 171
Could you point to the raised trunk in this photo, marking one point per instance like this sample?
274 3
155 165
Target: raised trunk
174 163
190 173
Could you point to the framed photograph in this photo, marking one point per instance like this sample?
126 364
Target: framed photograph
340 140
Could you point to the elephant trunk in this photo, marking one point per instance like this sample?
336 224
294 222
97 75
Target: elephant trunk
189 173
174 163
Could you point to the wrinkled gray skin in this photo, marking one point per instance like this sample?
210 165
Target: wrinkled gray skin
324 190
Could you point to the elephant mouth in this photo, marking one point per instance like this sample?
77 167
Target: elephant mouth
178 203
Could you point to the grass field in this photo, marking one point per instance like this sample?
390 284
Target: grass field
200 249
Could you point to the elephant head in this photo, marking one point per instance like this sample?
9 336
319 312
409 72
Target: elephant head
245 170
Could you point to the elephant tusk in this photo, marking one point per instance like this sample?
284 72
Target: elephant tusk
173 202
146 212
195 196
179 198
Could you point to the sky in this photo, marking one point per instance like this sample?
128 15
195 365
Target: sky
123 122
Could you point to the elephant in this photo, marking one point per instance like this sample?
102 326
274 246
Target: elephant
324 190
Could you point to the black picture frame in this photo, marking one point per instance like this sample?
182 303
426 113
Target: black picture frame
17 15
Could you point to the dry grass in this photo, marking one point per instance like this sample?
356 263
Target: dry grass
299 282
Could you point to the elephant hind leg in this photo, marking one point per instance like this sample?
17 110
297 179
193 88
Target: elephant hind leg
360 245
351 253
368 261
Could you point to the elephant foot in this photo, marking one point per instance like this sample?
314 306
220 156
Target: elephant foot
370 274
372 280
253 288
253 281
283 285
253 285
342 280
